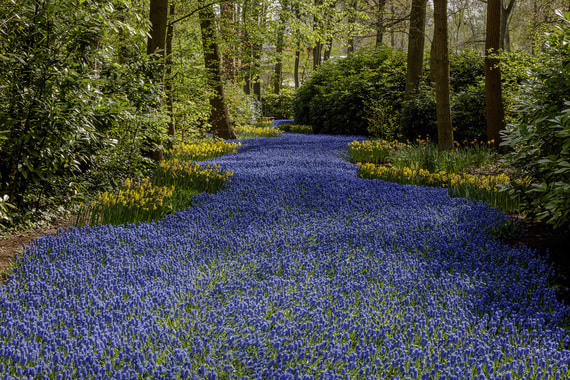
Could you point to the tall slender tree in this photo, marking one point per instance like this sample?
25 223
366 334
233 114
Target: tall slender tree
441 68
281 27
506 11
219 111
168 89
352 4
493 90
415 47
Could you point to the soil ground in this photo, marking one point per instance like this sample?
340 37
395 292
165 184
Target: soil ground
13 243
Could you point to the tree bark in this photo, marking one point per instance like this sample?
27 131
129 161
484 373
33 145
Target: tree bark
228 57
156 41
415 48
441 61
220 117
351 20
246 44
505 14
168 77
257 48
317 52
297 63
318 26
278 77
380 28
493 90
158 19
328 49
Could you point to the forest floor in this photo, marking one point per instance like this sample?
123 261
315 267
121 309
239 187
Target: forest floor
12 244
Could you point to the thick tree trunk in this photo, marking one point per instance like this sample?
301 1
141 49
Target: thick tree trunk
220 116
493 90
228 57
441 61
158 20
415 48
156 42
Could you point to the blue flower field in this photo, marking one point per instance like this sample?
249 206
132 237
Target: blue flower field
297 270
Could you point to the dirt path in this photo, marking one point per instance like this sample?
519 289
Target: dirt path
12 244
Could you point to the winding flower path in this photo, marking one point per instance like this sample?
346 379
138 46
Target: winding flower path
298 270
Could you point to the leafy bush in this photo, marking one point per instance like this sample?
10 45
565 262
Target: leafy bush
419 118
540 142
296 128
469 114
337 98
466 68
243 108
467 80
75 110
278 106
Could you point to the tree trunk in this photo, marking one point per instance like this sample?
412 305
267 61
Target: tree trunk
317 52
278 78
441 61
297 62
220 116
380 29
505 14
228 58
156 42
257 71
168 77
318 26
493 90
158 20
257 48
351 20
415 48
246 58
328 49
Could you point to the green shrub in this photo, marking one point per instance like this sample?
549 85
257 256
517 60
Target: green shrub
469 114
243 108
338 97
278 106
419 118
540 141
466 68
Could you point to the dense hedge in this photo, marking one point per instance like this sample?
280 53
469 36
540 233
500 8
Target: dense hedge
363 95
341 96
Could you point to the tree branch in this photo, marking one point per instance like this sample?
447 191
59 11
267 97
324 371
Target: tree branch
197 10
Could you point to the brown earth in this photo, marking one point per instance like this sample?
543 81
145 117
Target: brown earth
13 243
